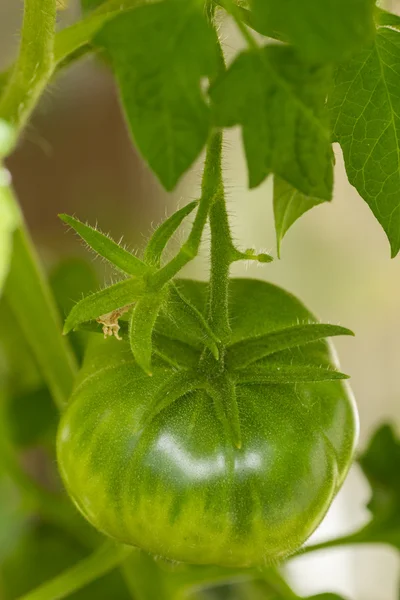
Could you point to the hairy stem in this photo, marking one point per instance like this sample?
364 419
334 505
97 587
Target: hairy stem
98 564
209 188
221 253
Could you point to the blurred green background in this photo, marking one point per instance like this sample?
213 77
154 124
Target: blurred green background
76 158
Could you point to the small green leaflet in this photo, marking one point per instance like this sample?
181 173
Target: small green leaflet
163 233
281 373
101 303
322 30
104 246
279 101
159 53
365 112
143 319
289 205
247 351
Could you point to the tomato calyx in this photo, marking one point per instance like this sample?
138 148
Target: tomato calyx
258 360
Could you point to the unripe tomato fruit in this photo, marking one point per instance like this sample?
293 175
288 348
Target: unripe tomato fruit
177 487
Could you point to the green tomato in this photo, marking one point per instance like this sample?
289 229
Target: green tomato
176 486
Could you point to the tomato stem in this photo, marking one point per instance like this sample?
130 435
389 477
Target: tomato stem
98 564
34 65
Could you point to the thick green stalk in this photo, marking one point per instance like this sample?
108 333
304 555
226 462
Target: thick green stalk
98 564
33 305
26 287
34 64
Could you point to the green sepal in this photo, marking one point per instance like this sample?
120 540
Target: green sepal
101 303
178 385
248 351
143 319
174 352
163 233
279 373
187 317
106 247
223 393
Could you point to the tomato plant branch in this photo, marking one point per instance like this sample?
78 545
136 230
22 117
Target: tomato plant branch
33 305
74 41
98 564
26 287
209 188
34 64
359 537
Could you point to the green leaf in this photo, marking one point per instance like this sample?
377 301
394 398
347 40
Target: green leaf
181 312
9 220
101 303
88 5
322 31
163 233
381 465
365 112
385 18
289 205
247 351
104 246
159 53
143 319
279 101
280 373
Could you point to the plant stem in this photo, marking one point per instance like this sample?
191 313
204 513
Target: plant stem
221 252
347 540
34 64
26 287
98 564
31 301
209 187
234 10
274 580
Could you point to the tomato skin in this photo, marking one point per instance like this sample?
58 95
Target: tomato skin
177 488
